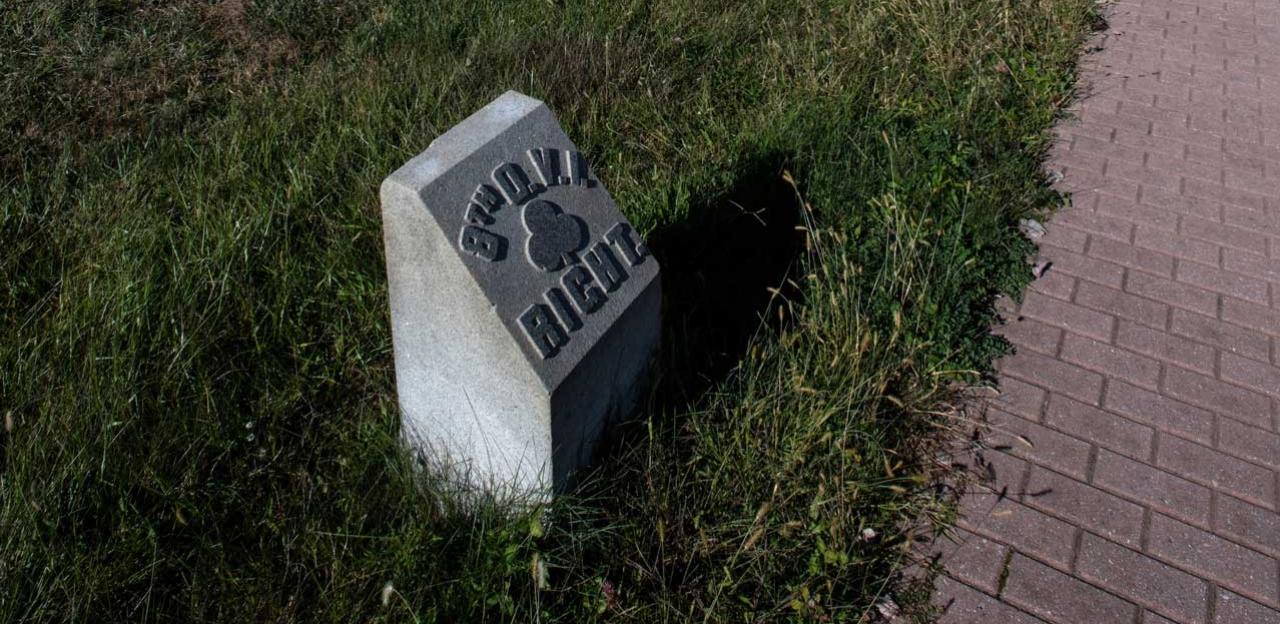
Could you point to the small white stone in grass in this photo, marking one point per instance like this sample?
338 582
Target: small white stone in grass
869 534
888 609
8 422
387 591
541 577
1031 228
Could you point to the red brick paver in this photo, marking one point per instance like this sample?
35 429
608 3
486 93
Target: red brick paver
1133 461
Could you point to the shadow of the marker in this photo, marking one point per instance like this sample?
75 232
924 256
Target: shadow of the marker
725 272
726 269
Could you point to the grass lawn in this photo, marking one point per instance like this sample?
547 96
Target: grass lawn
195 359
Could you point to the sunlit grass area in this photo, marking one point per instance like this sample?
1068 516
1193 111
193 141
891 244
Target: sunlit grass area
195 360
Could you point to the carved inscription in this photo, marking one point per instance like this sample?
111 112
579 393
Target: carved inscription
557 244
605 267
633 250
514 182
542 329
482 243
513 186
583 290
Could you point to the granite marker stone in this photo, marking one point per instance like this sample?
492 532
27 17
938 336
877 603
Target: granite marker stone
524 308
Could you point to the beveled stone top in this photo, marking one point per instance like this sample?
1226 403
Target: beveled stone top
534 227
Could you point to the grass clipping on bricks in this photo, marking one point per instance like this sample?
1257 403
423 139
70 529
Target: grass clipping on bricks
195 366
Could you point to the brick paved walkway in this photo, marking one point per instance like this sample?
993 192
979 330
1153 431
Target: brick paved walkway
1147 376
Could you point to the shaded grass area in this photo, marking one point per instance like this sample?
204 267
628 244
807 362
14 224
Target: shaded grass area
195 366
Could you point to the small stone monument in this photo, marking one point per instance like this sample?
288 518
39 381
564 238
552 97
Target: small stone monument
524 307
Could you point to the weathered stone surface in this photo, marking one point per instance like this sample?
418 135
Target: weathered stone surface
524 307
